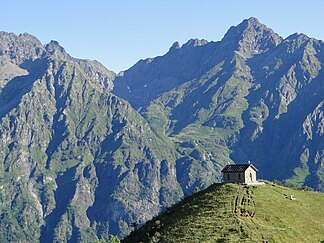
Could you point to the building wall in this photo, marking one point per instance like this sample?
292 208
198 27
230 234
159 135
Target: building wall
250 175
234 177
247 177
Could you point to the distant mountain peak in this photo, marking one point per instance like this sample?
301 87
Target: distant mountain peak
174 46
190 43
252 21
251 24
20 47
196 42
298 41
54 48
24 37
251 37
299 37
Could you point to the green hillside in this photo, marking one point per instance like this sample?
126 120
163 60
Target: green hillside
236 213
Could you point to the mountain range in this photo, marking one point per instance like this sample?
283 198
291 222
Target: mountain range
85 152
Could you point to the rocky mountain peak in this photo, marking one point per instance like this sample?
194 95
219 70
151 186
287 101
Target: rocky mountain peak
8 39
19 48
196 42
252 21
190 43
298 38
174 46
251 37
296 42
92 68
54 48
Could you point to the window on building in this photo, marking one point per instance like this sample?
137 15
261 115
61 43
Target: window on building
251 177
239 176
228 176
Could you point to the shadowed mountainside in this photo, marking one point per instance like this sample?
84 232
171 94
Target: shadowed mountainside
77 162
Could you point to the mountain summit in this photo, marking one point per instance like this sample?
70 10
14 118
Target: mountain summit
191 60
251 37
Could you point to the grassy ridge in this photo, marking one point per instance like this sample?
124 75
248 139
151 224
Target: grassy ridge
234 213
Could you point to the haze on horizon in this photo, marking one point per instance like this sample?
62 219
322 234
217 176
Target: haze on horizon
118 34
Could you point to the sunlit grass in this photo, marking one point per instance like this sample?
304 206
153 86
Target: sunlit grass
234 213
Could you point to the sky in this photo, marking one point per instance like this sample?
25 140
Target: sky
118 33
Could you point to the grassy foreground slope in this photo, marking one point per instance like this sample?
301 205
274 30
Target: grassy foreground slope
234 213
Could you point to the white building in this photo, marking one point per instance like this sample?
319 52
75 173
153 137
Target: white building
240 173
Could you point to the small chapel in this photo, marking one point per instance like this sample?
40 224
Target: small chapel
240 173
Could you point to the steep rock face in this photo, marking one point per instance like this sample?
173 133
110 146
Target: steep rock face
16 54
76 162
288 87
244 98
93 69
250 37
149 78
20 48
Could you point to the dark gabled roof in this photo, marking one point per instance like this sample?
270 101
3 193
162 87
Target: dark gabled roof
237 168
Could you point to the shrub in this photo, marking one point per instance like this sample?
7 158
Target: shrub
306 188
291 185
277 182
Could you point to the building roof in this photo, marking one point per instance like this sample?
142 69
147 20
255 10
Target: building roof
238 168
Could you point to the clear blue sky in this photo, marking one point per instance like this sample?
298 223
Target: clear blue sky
120 32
